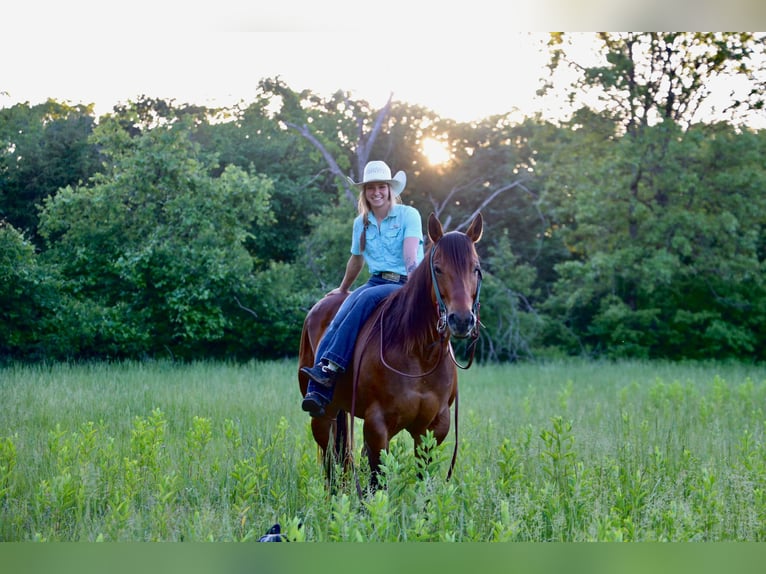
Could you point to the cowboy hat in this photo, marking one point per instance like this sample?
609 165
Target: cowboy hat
379 171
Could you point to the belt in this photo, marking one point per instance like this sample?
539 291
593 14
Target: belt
389 276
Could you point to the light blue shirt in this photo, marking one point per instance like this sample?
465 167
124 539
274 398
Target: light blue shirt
384 245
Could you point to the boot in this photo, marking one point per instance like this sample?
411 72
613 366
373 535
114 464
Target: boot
320 389
314 403
321 374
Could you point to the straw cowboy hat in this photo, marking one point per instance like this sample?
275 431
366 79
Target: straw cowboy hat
379 171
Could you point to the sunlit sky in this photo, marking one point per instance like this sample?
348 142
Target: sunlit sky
457 80
464 61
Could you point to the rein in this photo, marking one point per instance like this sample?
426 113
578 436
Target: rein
441 324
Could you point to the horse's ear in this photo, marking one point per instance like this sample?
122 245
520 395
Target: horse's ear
435 230
476 228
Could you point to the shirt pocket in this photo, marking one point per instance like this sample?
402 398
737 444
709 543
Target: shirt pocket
392 233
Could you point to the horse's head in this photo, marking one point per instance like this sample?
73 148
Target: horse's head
456 276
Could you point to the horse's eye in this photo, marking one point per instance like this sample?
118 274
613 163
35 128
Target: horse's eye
437 270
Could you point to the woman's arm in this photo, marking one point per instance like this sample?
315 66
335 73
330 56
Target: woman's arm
410 253
353 268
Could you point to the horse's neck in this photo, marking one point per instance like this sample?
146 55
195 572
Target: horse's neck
421 339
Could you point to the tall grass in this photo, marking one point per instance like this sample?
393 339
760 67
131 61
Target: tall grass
567 451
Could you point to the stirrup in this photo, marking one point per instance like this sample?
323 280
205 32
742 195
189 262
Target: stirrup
314 404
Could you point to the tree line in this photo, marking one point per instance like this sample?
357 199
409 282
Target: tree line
632 228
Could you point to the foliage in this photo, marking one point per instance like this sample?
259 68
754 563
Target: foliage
559 451
155 246
632 228
325 251
254 141
29 300
42 148
648 77
678 246
514 327
277 309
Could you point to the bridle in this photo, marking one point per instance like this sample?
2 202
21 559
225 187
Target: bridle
441 323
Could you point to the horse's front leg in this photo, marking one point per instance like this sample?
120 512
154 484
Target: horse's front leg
376 440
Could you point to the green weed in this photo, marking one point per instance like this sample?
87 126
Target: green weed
570 451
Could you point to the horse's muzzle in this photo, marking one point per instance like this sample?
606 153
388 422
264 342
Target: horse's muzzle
461 325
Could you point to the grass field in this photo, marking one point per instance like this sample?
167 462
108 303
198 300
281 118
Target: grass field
565 451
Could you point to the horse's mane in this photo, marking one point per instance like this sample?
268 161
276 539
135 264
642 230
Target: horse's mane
409 312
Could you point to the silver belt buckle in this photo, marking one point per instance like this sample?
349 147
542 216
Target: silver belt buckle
388 276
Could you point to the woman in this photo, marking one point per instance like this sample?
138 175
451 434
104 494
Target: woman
388 236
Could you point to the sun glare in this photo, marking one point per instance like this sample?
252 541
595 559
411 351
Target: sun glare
436 152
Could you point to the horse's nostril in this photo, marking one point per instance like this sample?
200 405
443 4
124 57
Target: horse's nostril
461 324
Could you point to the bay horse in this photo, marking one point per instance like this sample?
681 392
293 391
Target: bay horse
404 374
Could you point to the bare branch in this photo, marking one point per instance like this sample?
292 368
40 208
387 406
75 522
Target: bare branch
439 207
334 168
467 221
363 150
241 306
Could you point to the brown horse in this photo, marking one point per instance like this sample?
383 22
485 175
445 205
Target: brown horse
403 375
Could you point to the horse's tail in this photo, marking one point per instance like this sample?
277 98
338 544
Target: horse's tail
338 451
341 446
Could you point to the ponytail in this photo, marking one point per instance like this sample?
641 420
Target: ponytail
363 235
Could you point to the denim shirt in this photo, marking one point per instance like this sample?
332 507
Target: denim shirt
385 244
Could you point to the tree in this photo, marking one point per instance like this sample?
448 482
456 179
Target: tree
251 139
648 77
29 302
42 148
334 127
676 268
635 195
513 328
155 245
491 171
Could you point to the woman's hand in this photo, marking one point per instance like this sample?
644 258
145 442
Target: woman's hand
337 291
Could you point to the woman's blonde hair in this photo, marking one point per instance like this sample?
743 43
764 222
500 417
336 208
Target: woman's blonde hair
364 210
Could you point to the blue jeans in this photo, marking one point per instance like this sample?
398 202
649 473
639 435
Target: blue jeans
337 344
